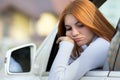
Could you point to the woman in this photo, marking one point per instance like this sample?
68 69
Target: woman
84 40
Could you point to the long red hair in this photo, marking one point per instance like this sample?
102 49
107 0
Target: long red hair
88 14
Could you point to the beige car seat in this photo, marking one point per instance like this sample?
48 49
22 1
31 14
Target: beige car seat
113 61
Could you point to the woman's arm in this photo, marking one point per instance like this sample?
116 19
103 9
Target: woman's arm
15 66
92 57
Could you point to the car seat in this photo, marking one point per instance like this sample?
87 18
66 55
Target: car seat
113 61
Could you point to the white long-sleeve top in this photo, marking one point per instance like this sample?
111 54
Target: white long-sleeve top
15 66
92 57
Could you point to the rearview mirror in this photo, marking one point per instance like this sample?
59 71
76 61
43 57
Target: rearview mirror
20 59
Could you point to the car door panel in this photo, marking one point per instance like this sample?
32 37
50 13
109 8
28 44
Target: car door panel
93 78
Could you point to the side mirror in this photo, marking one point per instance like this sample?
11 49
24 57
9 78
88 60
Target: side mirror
20 59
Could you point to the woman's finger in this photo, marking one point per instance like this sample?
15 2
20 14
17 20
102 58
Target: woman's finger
64 39
58 40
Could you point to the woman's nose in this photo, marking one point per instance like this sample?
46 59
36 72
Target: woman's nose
75 32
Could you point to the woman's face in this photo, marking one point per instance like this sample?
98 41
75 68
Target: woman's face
78 32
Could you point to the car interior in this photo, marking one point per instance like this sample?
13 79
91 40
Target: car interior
114 51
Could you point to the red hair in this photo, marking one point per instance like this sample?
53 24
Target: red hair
88 14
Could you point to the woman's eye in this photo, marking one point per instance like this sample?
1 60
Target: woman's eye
67 29
80 25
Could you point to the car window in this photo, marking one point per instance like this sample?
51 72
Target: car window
108 9
111 10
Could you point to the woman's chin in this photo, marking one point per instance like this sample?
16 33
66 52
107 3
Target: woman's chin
80 44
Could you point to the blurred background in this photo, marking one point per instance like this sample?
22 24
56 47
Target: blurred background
26 21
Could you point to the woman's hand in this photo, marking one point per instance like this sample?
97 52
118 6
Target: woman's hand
65 38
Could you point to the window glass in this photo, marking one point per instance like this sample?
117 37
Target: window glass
111 10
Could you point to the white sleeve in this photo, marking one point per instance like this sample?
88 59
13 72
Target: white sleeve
15 66
93 56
